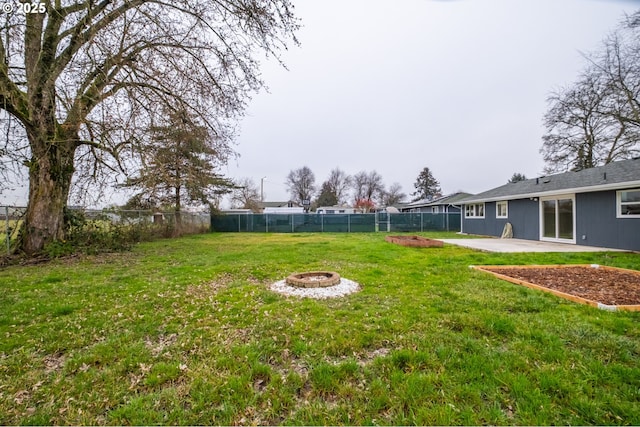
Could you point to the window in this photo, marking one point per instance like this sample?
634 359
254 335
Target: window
434 209
502 209
475 210
629 203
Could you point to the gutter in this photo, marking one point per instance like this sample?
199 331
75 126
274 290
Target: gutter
590 189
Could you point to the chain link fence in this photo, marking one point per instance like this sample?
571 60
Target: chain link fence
337 223
12 216
10 220
164 223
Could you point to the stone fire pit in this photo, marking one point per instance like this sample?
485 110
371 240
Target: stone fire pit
315 284
414 241
313 279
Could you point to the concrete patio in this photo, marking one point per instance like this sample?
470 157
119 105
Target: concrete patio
520 245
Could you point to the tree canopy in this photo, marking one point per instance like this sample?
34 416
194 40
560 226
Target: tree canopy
301 184
427 187
367 186
83 81
596 120
179 166
246 195
393 195
338 184
516 177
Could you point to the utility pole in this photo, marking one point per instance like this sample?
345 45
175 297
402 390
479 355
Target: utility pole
262 188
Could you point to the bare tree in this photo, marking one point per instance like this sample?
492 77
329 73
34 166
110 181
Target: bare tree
338 184
301 184
596 120
246 195
85 79
393 195
580 134
367 185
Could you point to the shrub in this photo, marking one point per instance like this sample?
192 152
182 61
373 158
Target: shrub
99 234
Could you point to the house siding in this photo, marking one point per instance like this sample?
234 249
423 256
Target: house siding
523 216
596 222
597 225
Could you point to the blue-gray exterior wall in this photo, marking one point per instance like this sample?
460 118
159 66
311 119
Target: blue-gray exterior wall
596 221
597 225
522 214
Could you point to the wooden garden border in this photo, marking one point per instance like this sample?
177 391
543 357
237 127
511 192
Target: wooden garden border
565 295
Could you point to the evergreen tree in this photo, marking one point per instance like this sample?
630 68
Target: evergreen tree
427 187
179 166
517 177
327 196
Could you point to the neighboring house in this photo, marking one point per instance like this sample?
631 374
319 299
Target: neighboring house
236 211
335 210
597 207
283 210
444 204
268 205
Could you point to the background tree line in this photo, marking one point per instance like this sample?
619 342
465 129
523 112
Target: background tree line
365 189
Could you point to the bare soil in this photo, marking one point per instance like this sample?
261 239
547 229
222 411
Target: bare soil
604 285
414 241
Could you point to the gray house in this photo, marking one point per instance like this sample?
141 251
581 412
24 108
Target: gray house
596 207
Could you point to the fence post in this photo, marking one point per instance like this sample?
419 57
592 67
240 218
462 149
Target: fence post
322 223
266 223
348 223
8 231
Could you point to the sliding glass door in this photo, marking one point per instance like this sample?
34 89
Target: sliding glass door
557 217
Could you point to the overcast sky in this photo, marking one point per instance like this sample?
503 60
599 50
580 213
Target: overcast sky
457 86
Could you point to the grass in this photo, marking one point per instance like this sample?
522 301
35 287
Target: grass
185 331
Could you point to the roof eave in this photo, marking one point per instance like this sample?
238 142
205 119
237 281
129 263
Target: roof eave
589 189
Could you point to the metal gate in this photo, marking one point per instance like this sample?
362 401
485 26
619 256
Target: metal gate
383 221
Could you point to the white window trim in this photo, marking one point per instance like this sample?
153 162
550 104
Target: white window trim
474 216
619 203
506 204
572 197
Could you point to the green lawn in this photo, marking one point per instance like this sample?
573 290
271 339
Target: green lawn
185 331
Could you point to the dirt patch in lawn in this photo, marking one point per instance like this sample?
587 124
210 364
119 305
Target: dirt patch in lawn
590 284
414 241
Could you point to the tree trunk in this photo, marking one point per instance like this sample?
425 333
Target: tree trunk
50 173
178 210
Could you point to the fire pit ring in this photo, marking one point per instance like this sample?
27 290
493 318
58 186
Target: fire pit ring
313 279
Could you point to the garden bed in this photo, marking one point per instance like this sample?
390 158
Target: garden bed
414 241
599 286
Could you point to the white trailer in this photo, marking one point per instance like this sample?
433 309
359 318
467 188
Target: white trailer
284 210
